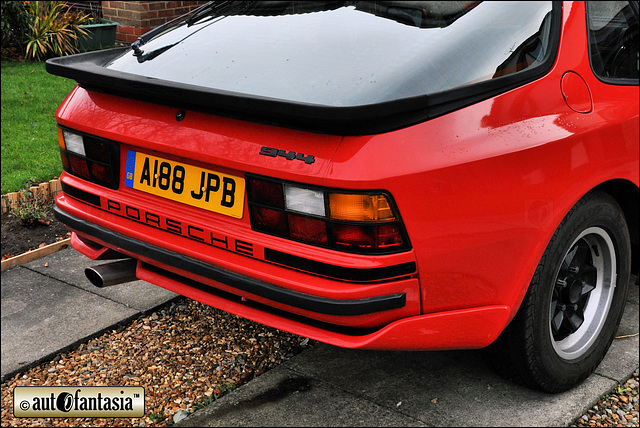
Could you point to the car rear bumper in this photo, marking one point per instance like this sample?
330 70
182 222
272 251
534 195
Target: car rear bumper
226 290
347 307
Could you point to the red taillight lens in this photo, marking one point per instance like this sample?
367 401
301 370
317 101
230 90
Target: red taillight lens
78 166
269 220
354 236
96 149
386 236
308 229
65 160
389 235
347 221
101 173
266 193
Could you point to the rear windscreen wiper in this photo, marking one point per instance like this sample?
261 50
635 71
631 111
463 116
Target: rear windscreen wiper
190 18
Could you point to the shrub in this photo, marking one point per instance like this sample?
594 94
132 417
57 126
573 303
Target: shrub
32 209
54 30
14 23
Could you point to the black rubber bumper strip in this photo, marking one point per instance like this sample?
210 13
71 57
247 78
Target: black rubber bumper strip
339 272
87 197
240 282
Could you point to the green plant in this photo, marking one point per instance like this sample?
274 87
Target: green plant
156 417
203 403
622 390
32 209
54 30
227 387
224 388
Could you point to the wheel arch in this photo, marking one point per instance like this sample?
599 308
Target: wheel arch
627 195
527 349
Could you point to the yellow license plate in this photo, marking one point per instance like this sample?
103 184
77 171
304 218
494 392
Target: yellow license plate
198 187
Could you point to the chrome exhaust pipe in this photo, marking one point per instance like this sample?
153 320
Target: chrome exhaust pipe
112 273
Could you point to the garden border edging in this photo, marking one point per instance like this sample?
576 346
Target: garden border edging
48 189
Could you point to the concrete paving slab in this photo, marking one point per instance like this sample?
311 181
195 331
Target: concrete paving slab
283 398
42 315
451 388
68 266
383 389
331 386
622 357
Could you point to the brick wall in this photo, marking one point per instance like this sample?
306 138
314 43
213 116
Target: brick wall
138 17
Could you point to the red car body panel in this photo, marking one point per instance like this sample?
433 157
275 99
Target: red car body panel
480 190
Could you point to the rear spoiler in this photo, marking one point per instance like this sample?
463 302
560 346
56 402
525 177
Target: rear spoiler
90 71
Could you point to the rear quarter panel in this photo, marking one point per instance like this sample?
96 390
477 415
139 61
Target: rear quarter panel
482 190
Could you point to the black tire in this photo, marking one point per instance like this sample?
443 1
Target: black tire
575 301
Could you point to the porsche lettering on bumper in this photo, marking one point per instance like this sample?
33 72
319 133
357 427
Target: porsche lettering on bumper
178 227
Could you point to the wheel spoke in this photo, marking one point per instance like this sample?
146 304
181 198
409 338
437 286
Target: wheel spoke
575 320
566 263
556 322
587 288
580 255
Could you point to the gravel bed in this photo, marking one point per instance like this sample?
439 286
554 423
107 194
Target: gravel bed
185 356
618 408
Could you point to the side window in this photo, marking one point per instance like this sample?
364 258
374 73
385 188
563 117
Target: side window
613 40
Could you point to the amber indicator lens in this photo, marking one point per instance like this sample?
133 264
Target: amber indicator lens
364 208
61 139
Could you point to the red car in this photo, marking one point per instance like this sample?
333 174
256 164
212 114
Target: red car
380 175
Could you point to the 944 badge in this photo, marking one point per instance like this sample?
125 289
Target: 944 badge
270 151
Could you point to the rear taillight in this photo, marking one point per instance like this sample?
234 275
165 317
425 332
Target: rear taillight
366 222
89 157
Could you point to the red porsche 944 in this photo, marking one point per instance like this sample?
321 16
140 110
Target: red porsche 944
379 175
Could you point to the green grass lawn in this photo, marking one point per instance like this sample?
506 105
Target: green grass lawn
30 97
